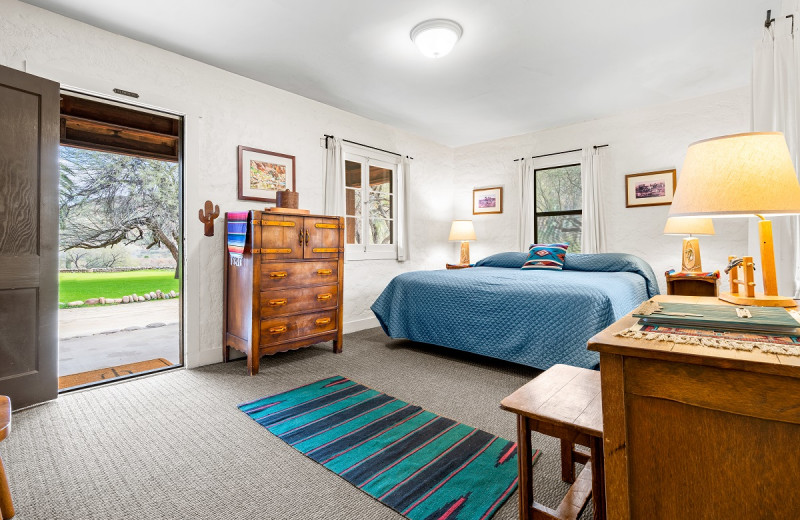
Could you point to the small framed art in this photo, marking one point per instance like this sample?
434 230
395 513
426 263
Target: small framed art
487 200
650 189
262 173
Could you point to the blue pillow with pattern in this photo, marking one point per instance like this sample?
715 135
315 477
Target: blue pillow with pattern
546 256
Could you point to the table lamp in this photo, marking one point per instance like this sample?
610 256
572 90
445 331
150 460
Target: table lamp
462 230
690 262
738 176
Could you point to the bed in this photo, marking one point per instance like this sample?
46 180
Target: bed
537 318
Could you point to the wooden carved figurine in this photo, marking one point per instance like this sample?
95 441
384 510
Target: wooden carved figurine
207 217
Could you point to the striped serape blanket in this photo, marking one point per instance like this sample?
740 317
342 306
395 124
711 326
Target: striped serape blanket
238 224
706 274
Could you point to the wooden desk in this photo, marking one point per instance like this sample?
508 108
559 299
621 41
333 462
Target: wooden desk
563 402
697 432
6 507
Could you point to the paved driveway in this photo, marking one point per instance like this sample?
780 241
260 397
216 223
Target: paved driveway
99 337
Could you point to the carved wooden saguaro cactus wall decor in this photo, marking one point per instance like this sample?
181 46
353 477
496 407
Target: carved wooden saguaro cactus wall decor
207 217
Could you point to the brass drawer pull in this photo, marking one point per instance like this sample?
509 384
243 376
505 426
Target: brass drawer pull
277 303
277 223
278 330
278 274
277 251
324 297
326 226
324 272
324 249
322 321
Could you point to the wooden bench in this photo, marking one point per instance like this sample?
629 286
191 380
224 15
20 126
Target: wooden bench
562 402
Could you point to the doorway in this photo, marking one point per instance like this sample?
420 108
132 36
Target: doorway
120 241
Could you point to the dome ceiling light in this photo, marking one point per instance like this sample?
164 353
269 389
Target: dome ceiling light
436 38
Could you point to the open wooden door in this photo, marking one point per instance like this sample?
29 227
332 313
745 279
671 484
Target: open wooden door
29 133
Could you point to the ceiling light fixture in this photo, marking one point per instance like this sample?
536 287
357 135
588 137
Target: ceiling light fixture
436 38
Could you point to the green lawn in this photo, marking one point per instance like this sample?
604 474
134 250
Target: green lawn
82 286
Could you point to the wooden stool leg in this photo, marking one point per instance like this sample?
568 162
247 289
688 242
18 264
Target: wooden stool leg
525 467
567 461
598 479
6 507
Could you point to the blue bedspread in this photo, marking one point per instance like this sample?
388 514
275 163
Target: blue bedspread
537 318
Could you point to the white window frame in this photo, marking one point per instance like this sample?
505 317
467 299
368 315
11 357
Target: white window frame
367 157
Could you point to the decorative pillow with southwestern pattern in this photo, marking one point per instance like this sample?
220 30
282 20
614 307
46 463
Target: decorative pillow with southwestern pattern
546 256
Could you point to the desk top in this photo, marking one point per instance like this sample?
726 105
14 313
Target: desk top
5 416
564 395
754 361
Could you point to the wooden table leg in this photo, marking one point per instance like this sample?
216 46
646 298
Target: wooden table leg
6 507
598 479
567 461
525 463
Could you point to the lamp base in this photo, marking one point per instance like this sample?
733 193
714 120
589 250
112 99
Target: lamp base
760 300
691 256
464 259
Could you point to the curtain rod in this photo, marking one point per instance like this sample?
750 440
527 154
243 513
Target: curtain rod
770 20
367 146
559 153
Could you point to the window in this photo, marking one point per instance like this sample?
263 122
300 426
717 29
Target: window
370 205
558 206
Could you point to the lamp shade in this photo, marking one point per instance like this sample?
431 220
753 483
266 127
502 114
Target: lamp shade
462 230
689 226
737 175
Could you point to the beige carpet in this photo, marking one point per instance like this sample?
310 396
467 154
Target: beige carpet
174 445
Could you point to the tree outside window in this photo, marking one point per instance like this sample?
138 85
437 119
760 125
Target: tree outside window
558 206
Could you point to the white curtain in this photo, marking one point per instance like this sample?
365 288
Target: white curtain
527 203
334 177
404 210
776 106
593 234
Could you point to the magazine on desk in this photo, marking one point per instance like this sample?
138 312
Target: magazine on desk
772 320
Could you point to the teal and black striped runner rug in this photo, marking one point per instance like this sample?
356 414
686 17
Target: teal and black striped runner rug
420 464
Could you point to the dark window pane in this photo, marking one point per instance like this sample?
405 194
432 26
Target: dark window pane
352 230
380 231
352 174
352 202
560 228
558 189
380 179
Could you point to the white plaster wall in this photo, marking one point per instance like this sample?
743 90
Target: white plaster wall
644 140
224 110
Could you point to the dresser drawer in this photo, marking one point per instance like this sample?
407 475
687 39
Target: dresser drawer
275 275
279 329
288 301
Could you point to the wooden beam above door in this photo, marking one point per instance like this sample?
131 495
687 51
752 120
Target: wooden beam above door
106 127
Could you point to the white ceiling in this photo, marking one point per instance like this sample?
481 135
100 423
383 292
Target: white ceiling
521 65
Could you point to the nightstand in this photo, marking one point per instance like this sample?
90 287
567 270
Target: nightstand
686 284
457 266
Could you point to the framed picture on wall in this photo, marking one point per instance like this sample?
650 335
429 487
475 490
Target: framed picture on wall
487 200
262 173
650 189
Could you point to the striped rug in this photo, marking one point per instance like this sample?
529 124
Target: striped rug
420 464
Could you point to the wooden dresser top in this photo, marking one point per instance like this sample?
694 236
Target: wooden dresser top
754 361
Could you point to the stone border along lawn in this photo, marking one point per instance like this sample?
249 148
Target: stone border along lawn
128 298
103 288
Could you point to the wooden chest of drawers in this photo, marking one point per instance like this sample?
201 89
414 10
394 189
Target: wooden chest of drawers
287 292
